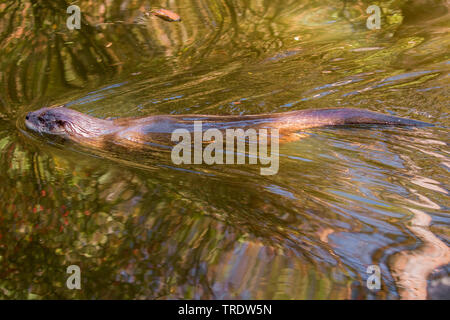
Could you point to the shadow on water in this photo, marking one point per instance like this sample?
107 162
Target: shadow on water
140 227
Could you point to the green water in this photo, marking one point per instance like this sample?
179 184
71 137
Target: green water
142 228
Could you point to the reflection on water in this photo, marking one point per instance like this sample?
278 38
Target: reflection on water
140 227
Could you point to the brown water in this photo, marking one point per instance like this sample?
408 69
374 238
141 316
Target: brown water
141 227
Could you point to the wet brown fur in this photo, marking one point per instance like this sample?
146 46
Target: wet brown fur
155 131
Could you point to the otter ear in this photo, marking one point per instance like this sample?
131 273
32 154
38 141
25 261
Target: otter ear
61 123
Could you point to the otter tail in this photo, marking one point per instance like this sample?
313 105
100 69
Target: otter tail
303 119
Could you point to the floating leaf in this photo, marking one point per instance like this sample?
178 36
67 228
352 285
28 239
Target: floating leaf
166 15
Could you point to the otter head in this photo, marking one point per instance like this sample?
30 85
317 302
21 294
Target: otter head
66 123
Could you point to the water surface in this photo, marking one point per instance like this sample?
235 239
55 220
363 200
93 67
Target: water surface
141 227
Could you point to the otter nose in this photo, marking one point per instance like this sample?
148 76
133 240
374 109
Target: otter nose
27 117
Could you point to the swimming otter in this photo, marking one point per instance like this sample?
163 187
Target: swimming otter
156 130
